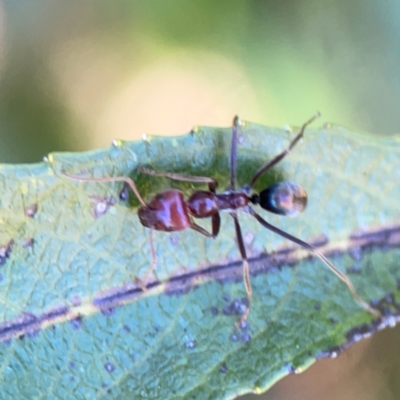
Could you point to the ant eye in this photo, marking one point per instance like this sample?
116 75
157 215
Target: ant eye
284 198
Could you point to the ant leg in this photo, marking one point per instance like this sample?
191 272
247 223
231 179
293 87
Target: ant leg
235 125
312 249
125 179
246 272
201 230
284 153
212 183
216 223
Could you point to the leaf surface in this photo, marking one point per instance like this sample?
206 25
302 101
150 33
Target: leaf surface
72 253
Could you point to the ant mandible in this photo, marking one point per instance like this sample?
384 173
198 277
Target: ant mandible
169 212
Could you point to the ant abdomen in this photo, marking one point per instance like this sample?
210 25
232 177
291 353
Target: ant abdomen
283 198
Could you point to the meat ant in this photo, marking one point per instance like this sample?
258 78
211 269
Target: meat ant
168 211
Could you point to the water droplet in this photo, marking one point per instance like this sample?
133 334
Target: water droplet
109 367
101 205
236 307
223 368
31 210
191 344
356 253
248 237
287 128
101 208
390 298
5 251
28 317
375 302
32 333
174 239
28 242
76 323
214 311
124 193
354 269
108 311
227 297
243 325
76 300
246 337
234 337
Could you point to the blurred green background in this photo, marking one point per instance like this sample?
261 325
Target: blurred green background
76 74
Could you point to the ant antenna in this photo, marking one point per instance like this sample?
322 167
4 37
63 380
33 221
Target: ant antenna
125 179
284 153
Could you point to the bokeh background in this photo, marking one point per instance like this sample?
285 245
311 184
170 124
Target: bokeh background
76 74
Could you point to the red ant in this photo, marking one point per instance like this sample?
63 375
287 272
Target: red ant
169 212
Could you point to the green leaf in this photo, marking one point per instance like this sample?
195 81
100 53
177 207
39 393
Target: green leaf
71 253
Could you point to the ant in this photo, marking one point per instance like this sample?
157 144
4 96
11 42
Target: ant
168 211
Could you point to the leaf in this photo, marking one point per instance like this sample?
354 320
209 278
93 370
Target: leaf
72 252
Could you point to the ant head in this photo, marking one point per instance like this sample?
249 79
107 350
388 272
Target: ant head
283 198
